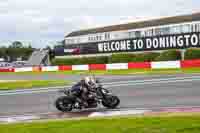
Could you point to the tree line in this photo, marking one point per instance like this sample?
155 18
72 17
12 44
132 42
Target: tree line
16 50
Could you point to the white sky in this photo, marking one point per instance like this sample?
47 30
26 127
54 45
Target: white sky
44 21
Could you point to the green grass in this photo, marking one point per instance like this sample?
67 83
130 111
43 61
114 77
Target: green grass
118 72
31 84
170 124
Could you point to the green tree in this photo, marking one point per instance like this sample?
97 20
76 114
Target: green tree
47 48
3 52
16 44
60 44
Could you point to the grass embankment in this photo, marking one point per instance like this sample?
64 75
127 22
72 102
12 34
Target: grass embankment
175 124
31 84
119 72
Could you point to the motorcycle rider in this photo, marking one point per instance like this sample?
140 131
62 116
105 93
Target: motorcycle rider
82 89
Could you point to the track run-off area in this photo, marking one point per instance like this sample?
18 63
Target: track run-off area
138 92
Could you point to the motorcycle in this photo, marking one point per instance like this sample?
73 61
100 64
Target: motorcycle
101 96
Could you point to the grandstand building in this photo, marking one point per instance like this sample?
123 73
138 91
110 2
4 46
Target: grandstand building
177 32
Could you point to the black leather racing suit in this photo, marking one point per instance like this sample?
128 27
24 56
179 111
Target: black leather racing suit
80 91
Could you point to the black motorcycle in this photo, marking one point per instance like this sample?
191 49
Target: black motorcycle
100 96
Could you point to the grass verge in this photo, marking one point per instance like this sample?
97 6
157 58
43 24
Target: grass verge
31 84
118 72
170 124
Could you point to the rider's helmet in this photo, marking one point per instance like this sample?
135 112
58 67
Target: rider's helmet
89 81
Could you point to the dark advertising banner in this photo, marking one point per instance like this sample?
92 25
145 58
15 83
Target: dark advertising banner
178 41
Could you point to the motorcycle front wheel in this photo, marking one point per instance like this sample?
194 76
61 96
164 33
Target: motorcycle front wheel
111 102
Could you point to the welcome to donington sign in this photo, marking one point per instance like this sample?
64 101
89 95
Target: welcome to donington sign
178 41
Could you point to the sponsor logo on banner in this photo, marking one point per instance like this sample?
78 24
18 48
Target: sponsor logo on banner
72 51
177 41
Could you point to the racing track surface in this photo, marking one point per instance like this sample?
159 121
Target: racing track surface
134 92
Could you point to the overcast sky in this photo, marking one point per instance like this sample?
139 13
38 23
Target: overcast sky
44 21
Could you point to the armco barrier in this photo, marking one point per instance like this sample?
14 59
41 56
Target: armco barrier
80 67
50 68
26 69
65 68
165 64
115 66
37 69
97 67
139 65
190 63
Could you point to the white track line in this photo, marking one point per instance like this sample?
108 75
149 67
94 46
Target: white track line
105 113
118 109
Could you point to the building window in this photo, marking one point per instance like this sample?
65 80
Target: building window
198 29
129 34
154 32
157 31
95 38
186 28
175 30
70 41
132 34
149 32
116 36
137 34
90 39
193 28
99 38
123 35
66 41
107 36
142 33
166 31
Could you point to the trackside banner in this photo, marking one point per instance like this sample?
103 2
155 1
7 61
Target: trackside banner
178 41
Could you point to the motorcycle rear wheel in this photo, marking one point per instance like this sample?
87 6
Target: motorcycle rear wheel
64 104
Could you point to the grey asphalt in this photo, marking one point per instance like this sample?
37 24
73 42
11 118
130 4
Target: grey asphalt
59 76
155 94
